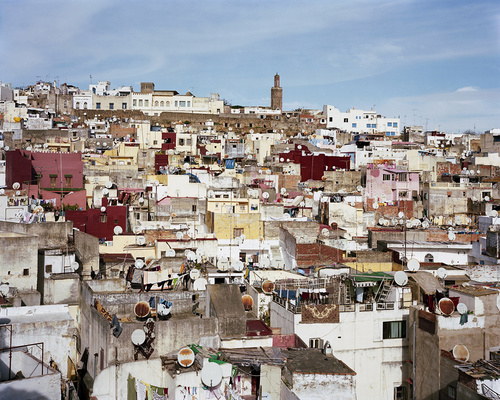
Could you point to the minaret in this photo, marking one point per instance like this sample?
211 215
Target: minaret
277 94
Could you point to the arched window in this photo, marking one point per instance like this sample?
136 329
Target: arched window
429 258
162 104
85 105
77 105
156 103
168 103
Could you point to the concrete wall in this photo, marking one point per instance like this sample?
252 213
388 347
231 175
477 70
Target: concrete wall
44 387
62 289
50 234
325 387
87 250
19 253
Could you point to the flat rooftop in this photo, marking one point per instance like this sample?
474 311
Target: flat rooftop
313 361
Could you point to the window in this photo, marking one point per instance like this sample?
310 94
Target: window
429 258
98 106
134 103
146 103
452 392
137 215
167 103
156 103
188 142
68 180
389 124
162 103
403 194
243 208
237 232
140 103
124 106
85 105
182 104
111 106
104 218
394 124
181 142
316 343
77 105
394 329
176 103
354 124
193 208
48 269
53 178
386 177
400 393
346 120
26 272
189 104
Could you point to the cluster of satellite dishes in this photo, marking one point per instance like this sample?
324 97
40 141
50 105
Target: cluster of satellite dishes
409 223
224 264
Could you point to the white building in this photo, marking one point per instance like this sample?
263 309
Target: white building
359 121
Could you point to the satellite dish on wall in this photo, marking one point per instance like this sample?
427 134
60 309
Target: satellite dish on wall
283 190
247 302
375 206
200 284
103 209
109 184
460 352
425 224
141 240
462 308
142 309
446 306
265 195
2 192
442 273
179 235
16 185
211 374
4 289
138 337
185 357
401 214
118 230
267 287
401 278
222 264
413 265
105 191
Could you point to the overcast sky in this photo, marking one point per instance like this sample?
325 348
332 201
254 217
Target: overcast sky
433 63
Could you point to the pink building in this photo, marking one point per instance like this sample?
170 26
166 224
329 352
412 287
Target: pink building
391 185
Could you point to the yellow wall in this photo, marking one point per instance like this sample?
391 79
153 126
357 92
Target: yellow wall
375 267
224 224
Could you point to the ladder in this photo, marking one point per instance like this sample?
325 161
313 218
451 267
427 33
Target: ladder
383 290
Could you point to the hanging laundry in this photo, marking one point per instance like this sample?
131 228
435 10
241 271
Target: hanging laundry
140 387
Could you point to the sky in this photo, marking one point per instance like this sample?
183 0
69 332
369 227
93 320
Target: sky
431 63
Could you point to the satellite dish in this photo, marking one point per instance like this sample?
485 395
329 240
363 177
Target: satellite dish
194 274
179 235
211 374
7 148
4 289
247 302
283 190
141 240
446 306
18 193
282 159
141 200
222 264
425 224
460 352
170 253
109 184
267 287
442 273
400 278
142 309
200 284
381 221
268 172
103 209
211 193
375 206
105 191
16 185
199 251
185 357
186 166
452 236
386 222
2 192
118 230
401 214
191 255
238 265
462 308
265 263
494 213
139 263
265 195
325 232
486 198
413 265
138 337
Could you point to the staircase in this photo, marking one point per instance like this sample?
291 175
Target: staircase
383 290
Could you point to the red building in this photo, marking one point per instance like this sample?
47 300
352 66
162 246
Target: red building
314 166
99 223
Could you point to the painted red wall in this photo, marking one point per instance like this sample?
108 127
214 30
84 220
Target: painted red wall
89 221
